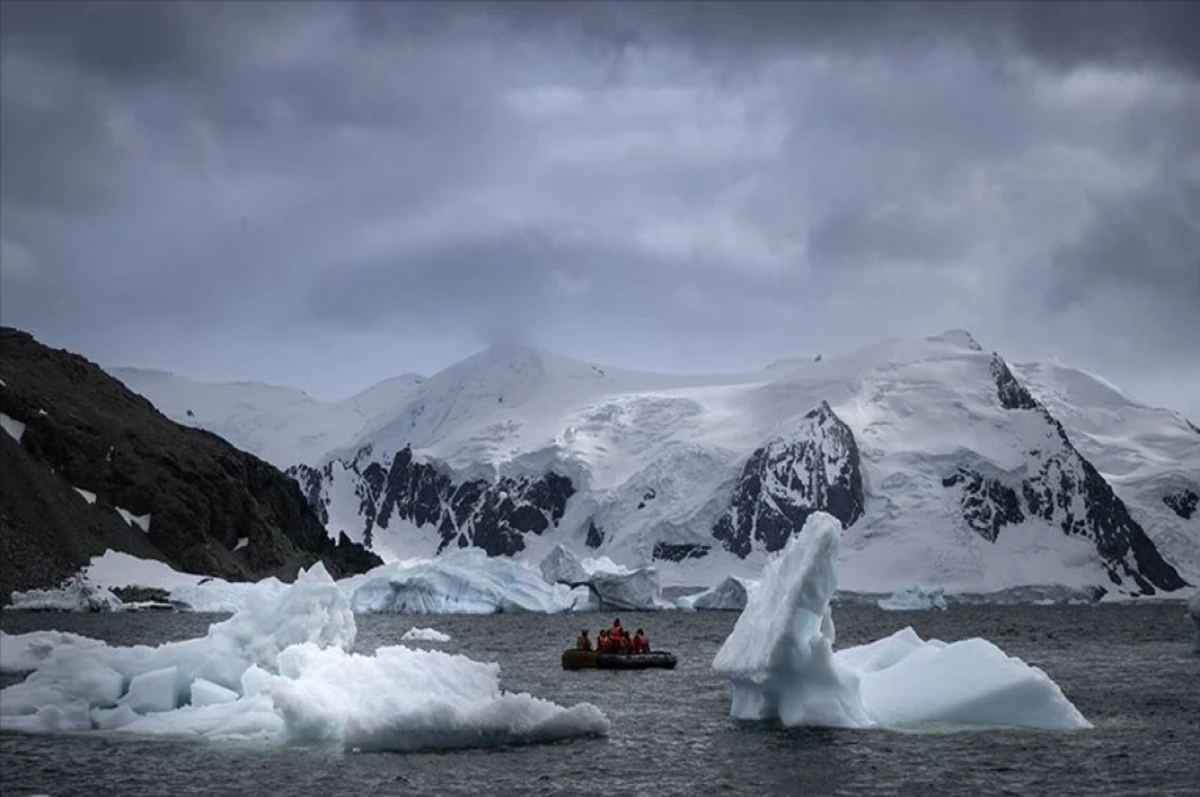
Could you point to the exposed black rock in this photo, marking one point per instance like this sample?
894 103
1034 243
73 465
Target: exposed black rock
1182 503
677 552
815 468
1065 490
987 505
595 536
492 515
85 429
649 495
1013 395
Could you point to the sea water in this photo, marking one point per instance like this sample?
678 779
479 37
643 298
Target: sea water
1128 668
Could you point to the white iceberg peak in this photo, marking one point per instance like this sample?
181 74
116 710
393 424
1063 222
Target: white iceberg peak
781 663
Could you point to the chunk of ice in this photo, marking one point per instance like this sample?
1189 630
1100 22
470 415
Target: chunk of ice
780 660
279 669
415 634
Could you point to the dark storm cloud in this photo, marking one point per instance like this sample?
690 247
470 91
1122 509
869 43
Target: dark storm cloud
617 180
1146 242
1064 34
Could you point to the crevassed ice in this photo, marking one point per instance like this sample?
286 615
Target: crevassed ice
465 582
781 662
280 669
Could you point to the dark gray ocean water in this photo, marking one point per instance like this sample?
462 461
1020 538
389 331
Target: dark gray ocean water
1127 668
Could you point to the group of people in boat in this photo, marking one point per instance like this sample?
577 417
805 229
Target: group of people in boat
615 640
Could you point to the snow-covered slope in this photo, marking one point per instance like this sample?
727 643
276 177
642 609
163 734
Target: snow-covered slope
1150 456
946 470
282 425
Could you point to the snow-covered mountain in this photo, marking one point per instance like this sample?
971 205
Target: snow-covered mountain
949 468
282 425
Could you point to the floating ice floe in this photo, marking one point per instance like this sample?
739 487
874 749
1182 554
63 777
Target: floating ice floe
465 582
730 595
611 585
76 595
415 634
781 662
916 598
281 669
187 591
25 652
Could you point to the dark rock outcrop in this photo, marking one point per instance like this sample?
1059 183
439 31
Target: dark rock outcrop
1067 491
1182 503
814 468
987 504
595 536
1013 395
492 515
86 430
677 552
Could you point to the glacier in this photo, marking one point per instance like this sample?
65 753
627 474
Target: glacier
948 466
781 663
283 670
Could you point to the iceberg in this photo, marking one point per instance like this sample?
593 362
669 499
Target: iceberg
730 595
562 566
25 652
281 669
916 598
614 586
781 663
187 591
415 634
640 590
76 595
465 582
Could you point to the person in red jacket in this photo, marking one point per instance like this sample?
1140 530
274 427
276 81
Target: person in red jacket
614 632
602 641
640 645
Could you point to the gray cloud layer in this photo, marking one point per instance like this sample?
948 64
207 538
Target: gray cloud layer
254 190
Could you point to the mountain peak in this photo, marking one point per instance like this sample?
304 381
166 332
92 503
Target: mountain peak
957 337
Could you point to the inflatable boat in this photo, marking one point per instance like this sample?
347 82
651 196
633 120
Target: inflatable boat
574 659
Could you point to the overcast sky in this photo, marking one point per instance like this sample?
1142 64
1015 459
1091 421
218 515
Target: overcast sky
325 195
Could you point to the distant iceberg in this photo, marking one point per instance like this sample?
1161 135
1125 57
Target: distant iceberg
279 670
916 598
464 582
781 662
730 595
76 595
613 586
415 634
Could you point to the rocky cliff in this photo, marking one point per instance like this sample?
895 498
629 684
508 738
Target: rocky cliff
89 465
1062 487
